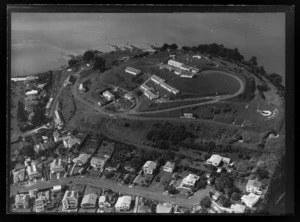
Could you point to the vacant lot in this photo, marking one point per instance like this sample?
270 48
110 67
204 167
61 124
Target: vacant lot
164 178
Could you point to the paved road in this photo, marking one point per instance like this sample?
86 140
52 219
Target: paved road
109 184
15 138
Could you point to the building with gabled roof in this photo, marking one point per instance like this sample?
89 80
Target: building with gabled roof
157 79
33 172
132 71
22 201
123 203
89 200
149 167
164 208
108 95
98 162
189 181
254 186
250 200
19 175
57 166
214 160
70 200
81 159
238 208
169 167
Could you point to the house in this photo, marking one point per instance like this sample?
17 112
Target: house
187 75
56 136
98 162
254 186
174 63
133 71
89 201
169 167
185 67
32 172
108 95
81 159
188 115
226 160
128 96
58 119
33 193
38 148
238 208
113 166
56 189
250 200
150 95
70 141
106 149
216 196
32 92
162 208
22 201
39 205
133 165
70 200
123 203
103 201
189 181
19 175
145 87
56 166
157 79
149 167
169 88
214 160
195 70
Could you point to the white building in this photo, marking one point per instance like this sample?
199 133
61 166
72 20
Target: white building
174 63
32 92
188 116
56 166
132 71
70 200
151 95
189 181
250 200
169 167
238 208
149 167
108 95
103 201
81 159
157 79
32 171
98 162
56 188
187 75
164 208
58 118
214 160
123 203
89 201
254 186
128 96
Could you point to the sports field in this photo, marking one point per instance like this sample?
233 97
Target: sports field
206 83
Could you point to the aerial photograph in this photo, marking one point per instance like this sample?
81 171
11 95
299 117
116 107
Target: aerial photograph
146 113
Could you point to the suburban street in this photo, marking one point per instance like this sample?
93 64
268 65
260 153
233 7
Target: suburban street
109 184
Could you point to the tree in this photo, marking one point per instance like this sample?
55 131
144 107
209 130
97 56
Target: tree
253 60
185 48
88 55
27 150
157 179
205 202
173 46
172 189
224 201
99 64
235 196
164 47
262 173
223 182
73 62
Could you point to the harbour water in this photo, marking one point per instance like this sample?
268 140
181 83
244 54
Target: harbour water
43 41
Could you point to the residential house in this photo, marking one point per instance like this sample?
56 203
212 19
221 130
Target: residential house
40 205
108 95
149 167
250 200
98 162
216 195
226 160
188 115
32 92
103 201
189 181
151 95
57 166
38 148
58 118
70 200
254 186
22 201
169 167
123 203
89 200
113 166
19 175
214 160
33 193
56 189
174 63
132 71
238 208
56 136
187 75
70 141
81 159
133 165
32 172
128 96
164 208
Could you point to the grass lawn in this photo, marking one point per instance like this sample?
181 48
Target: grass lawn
143 180
164 176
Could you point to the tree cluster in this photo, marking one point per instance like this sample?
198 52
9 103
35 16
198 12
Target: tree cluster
99 64
166 47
